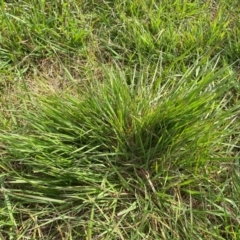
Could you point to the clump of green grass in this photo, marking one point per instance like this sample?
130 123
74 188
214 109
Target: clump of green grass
119 120
123 161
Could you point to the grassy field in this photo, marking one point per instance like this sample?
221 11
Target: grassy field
119 120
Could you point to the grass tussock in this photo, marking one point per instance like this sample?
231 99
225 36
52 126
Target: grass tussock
119 120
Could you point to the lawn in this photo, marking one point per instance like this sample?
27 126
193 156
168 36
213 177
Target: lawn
119 120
